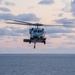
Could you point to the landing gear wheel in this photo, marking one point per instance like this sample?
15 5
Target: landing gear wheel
44 42
34 46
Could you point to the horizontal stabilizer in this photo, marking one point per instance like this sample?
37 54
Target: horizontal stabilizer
26 40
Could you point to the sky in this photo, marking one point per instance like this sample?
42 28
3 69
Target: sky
60 40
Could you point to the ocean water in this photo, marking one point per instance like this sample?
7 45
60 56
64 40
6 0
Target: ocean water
37 64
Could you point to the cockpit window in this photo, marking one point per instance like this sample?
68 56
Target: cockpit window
37 31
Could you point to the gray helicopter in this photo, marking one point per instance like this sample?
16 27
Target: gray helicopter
37 35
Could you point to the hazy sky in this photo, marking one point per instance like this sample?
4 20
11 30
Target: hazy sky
59 39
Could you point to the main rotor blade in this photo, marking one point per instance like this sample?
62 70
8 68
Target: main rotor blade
53 25
27 23
20 21
37 24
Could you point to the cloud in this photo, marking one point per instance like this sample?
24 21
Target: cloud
24 17
0 1
71 43
5 16
4 9
54 35
9 3
12 31
66 22
27 17
46 2
72 37
73 7
59 30
60 15
67 7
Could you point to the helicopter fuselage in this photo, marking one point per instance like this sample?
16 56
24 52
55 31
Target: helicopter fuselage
37 35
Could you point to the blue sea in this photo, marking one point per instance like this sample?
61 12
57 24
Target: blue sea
37 64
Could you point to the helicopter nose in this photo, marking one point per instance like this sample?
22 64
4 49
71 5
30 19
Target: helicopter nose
36 36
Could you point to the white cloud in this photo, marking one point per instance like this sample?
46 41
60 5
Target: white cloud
4 9
0 1
60 30
46 2
66 22
9 3
73 7
24 17
71 37
12 31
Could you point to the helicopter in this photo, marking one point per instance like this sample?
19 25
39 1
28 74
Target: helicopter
37 35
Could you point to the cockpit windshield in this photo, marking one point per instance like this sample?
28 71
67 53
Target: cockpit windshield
37 31
34 31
